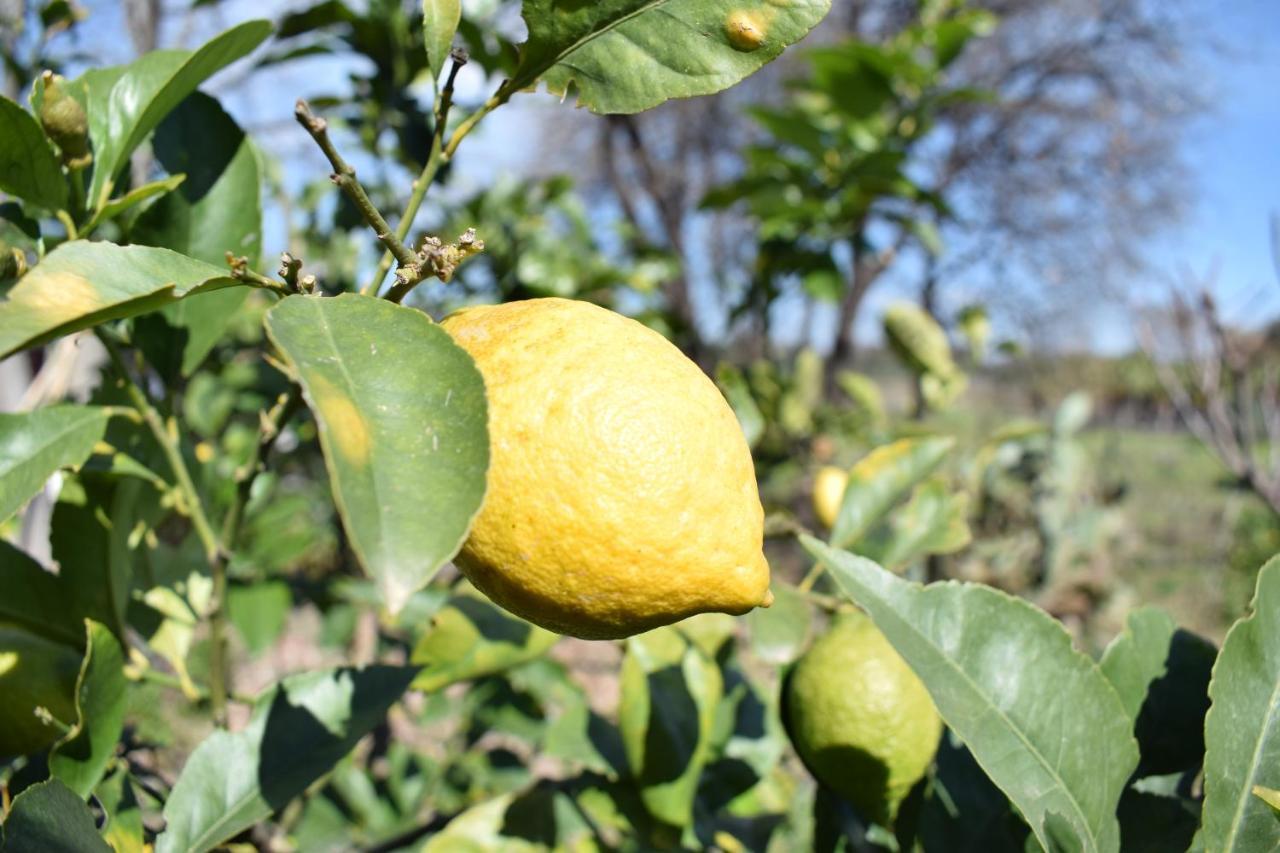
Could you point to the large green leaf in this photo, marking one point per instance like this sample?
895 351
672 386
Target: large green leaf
298 731
49 817
624 56
670 691
1038 716
1242 730
881 479
218 209
33 445
81 284
28 167
439 23
80 758
470 637
38 683
403 425
126 104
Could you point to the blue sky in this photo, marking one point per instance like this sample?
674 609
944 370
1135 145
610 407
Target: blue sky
1232 152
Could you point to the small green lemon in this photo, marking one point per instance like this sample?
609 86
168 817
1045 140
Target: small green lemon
860 718
828 493
622 495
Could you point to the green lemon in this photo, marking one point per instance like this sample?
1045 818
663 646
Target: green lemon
860 718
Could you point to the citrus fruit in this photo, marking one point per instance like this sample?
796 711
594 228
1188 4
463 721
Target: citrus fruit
828 493
621 492
860 718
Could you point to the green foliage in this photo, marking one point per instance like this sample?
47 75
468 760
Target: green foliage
36 444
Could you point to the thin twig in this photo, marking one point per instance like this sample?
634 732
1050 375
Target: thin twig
166 435
270 425
344 175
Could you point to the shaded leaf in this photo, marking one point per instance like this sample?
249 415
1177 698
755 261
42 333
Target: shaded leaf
439 23
217 210
670 691
624 56
38 682
298 731
48 817
81 284
779 632
28 167
470 637
80 758
736 390
123 828
135 197
1242 730
880 479
127 103
402 417
1038 716
34 445
259 612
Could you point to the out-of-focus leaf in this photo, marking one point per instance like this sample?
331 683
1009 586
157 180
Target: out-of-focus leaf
217 210
439 23
138 97
1040 717
259 612
135 197
35 674
624 56
480 830
1242 729
123 828
28 167
669 696
1270 796
470 637
33 445
880 479
407 450
81 284
779 632
736 390
932 522
298 731
49 817
80 758
1073 414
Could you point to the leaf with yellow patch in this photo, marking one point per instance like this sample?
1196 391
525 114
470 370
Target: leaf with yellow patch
403 425
81 284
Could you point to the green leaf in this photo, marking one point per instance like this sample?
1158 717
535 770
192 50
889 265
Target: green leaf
34 445
439 23
123 829
81 284
80 758
480 829
1270 796
1136 657
135 197
881 479
298 731
736 390
625 56
670 691
932 522
259 612
470 637
49 817
402 418
29 169
217 210
38 682
1038 716
127 103
1242 730
779 632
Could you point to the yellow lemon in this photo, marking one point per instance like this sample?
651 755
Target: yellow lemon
828 493
860 718
622 494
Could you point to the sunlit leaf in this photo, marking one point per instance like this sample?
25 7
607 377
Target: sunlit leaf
1242 730
880 479
402 418
1038 716
127 103
298 731
81 284
34 445
624 56
439 23
779 632
80 758
28 167
932 522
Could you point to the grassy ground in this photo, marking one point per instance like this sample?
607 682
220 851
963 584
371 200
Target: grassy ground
1183 519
